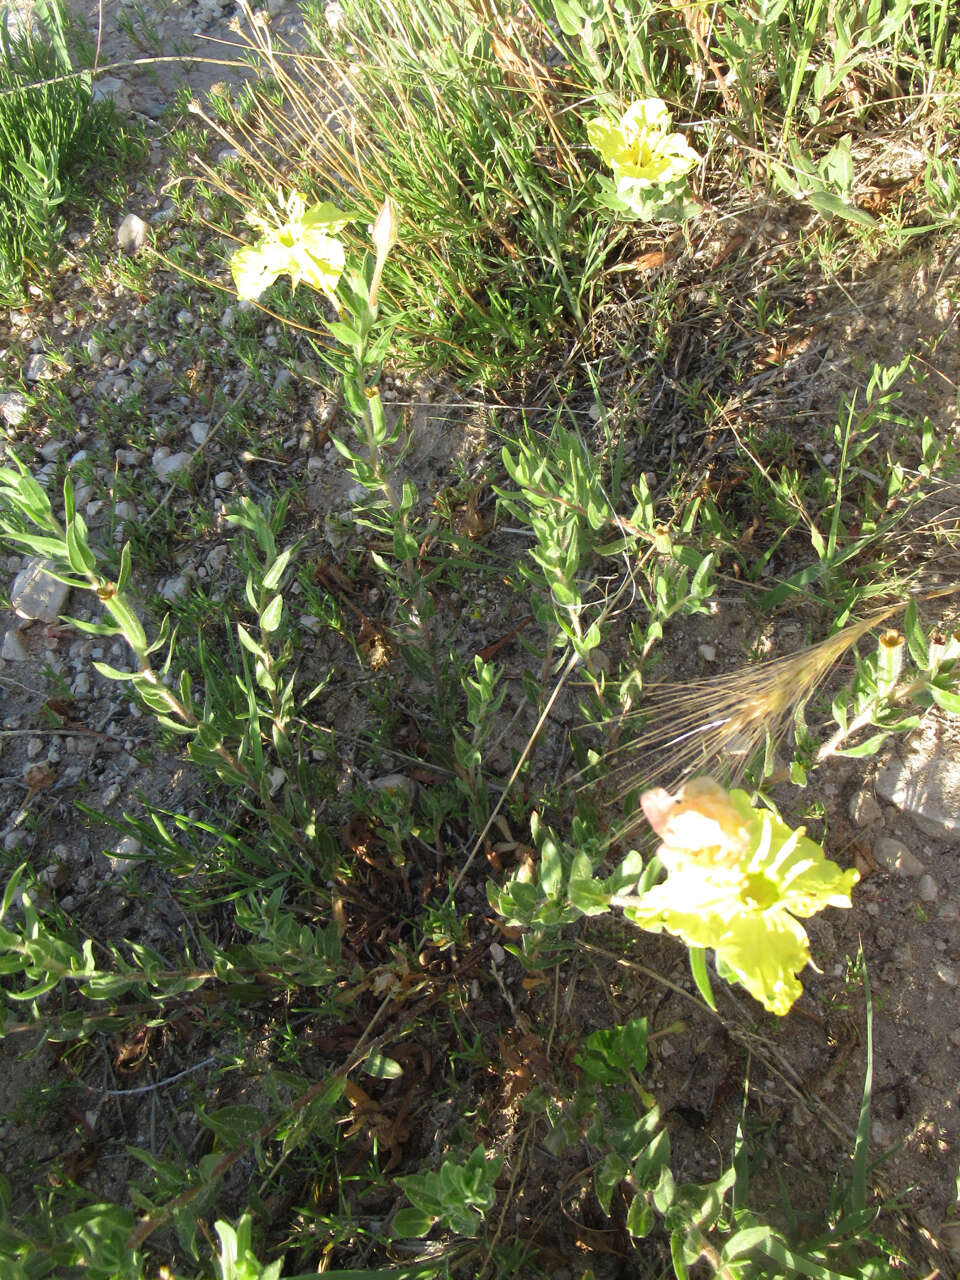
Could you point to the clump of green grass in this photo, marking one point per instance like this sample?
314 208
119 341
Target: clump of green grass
51 131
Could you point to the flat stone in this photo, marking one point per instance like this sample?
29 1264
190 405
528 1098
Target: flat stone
13 649
927 787
36 596
172 465
927 889
894 856
175 588
14 407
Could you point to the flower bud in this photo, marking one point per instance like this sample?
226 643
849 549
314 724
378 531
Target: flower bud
384 230
889 661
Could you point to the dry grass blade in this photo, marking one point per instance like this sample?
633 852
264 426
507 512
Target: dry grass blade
720 723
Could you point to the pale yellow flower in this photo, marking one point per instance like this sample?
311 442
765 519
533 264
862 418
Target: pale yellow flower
299 244
640 148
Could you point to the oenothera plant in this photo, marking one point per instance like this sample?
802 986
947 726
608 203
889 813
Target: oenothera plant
649 163
301 244
739 881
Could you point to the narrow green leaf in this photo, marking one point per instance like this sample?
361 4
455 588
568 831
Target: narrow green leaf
868 748
698 967
114 673
248 642
79 555
128 622
123 581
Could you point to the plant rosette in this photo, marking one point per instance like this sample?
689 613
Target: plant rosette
737 879
300 243
649 162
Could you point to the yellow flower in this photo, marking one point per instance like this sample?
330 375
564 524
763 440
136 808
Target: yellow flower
738 879
299 243
640 149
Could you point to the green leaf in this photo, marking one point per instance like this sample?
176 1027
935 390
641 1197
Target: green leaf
248 642
868 748
11 889
270 618
81 558
948 701
271 579
407 1224
676 1256
825 202
381 1067
128 622
640 1217
113 673
123 581
916 640
698 967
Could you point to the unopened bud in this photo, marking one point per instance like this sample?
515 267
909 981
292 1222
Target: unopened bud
935 650
662 540
889 661
384 230
952 649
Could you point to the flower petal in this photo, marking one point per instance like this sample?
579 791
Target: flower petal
254 268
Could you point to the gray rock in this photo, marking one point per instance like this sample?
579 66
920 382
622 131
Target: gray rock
111 795
171 465
863 808
223 479
397 785
166 213
927 888
123 857
109 87
175 588
894 856
132 234
927 787
217 557
13 648
35 595
14 407
37 368
707 652
947 974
